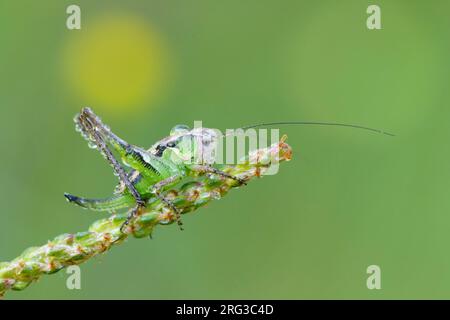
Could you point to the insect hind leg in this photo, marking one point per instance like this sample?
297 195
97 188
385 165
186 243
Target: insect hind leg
117 143
92 128
109 204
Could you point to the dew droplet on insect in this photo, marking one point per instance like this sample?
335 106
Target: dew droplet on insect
92 145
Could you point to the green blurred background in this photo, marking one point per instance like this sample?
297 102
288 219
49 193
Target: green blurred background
347 200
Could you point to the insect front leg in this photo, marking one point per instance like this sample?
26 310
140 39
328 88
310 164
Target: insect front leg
133 156
91 129
157 189
205 169
118 144
131 214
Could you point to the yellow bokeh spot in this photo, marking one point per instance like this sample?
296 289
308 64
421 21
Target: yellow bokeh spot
116 63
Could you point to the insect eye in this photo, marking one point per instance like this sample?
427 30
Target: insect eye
159 150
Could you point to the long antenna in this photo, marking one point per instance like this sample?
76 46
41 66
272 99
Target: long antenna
318 123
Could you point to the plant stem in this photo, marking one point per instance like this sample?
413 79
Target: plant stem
74 249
